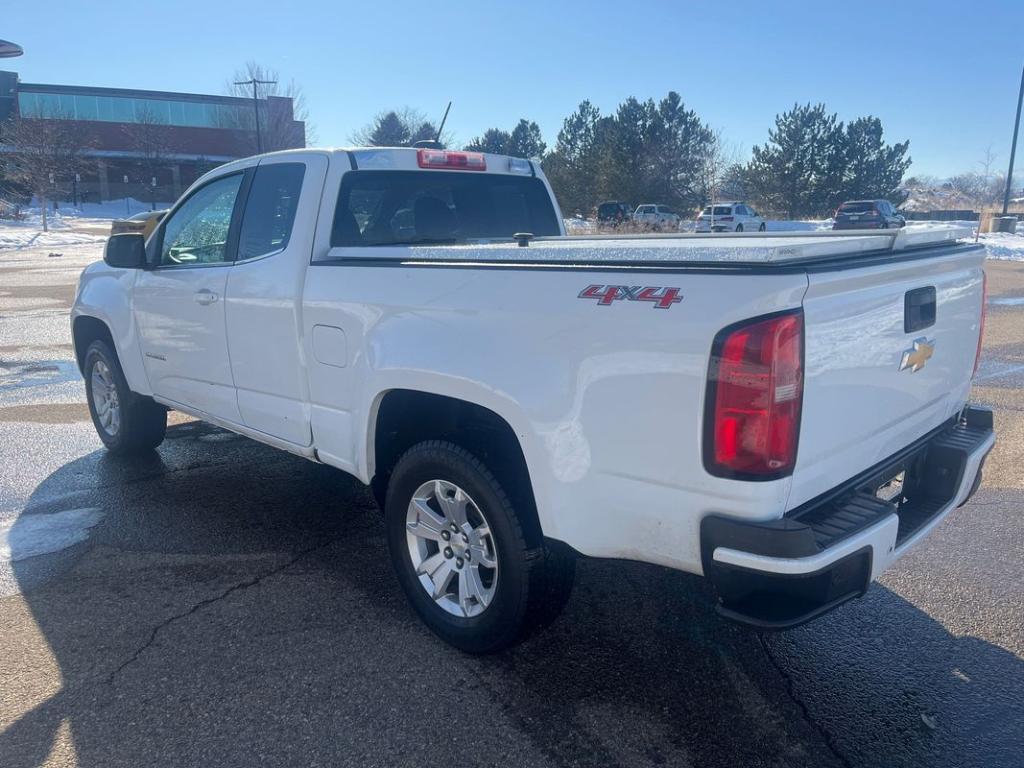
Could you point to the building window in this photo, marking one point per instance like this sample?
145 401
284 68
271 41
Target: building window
122 109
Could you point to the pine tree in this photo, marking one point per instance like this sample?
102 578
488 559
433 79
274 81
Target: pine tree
396 128
800 169
681 145
873 169
494 140
526 141
390 131
572 167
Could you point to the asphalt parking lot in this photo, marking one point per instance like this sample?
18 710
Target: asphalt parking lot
221 603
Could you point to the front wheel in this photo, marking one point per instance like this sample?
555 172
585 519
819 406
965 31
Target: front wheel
458 547
762 228
126 423
739 227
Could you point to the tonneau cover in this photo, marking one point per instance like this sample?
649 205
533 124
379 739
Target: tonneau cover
689 249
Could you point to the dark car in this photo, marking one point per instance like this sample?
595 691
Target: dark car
614 213
867 214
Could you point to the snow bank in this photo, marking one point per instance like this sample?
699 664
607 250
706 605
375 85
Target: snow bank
20 236
1003 245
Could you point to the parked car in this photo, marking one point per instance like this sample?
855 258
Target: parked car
729 217
786 425
656 217
614 213
867 214
144 223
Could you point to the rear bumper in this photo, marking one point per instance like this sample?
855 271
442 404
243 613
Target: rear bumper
781 573
869 224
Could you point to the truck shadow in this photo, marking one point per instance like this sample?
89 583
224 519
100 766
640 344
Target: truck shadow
234 604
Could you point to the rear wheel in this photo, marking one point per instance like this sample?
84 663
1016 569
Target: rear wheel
126 422
459 551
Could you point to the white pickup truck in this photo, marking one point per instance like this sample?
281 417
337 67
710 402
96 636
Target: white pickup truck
784 415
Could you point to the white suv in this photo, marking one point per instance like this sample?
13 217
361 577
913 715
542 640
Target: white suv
656 216
730 217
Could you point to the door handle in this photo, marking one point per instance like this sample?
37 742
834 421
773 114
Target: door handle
205 296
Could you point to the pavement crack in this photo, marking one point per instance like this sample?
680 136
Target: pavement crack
791 691
246 584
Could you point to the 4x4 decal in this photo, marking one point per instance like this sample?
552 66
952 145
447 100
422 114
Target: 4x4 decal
661 297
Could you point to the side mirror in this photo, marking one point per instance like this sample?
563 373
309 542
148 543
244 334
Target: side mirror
127 251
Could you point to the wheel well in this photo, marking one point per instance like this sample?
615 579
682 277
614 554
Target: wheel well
85 331
407 417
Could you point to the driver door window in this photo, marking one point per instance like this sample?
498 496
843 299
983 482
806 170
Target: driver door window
197 233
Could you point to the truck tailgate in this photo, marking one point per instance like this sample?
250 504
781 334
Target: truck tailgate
868 389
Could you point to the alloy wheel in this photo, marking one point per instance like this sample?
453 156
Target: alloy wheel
105 399
452 548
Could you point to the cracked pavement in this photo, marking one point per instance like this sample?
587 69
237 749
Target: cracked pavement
234 605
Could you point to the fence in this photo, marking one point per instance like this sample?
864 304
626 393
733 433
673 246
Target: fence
942 215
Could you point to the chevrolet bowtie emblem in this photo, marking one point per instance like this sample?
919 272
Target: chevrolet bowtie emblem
915 357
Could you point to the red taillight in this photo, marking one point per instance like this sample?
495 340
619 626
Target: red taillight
984 311
439 158
755 393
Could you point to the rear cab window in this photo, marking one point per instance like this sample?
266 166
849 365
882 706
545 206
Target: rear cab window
270 209
382 208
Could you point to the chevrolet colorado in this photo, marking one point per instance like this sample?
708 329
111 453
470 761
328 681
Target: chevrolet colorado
785 415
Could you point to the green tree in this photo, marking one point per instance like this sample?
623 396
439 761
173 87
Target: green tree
494 140
396 128
680 148
872 168
526 141
799 171
646 152
572 167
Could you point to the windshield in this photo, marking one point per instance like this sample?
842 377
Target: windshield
423 207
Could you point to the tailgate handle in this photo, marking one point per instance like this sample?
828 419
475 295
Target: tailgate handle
919 309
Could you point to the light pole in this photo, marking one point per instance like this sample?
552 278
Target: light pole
256 106
1013 146
9 50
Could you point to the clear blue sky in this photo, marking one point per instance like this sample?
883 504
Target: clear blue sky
942 74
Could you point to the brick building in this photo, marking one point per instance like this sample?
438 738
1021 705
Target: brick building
143 136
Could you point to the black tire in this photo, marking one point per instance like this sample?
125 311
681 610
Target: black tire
143 422
532 583
762 228
739 227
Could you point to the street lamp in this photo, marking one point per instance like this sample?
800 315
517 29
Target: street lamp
9 50
1013 146
256 106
